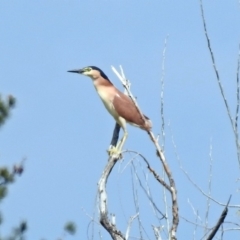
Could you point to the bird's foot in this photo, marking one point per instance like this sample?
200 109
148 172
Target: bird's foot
113 151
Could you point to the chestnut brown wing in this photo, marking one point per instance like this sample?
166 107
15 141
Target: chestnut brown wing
125 107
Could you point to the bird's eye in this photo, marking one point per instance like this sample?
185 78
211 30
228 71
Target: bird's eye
88 69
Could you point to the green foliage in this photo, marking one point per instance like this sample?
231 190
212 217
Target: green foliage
5 107
18 232
3 192
21 229
70 227
6 177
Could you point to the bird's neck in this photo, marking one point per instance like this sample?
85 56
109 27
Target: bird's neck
101 82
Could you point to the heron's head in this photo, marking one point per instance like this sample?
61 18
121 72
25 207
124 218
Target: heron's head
91 71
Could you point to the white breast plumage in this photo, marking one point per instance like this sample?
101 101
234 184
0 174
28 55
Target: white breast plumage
107 101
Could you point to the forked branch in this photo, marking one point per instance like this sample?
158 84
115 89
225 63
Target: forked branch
103 207
171 187
172 190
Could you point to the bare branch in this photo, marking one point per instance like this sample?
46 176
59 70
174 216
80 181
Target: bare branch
220 84
238 90
162 91
222 232
231 229
214 65
141 185
160 154
130 224
195 185
209 187
103 207
193 223
195 212
136 203
205 194
237 108
220 221
173 189
195 229
157 232
166 204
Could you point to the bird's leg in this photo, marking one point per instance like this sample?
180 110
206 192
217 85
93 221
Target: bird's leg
115 135
118 149
112 148
122 141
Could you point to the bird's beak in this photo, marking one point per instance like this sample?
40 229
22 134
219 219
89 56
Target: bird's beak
80 71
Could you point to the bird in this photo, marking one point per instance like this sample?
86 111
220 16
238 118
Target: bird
119 105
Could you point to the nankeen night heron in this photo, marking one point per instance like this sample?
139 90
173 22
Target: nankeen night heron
119 105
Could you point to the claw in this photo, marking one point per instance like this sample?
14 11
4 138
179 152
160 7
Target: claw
113 151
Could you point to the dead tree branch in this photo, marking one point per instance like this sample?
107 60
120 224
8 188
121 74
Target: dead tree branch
220 221
237 103
234 125
162 91
160 180
103 207
172 187
238 89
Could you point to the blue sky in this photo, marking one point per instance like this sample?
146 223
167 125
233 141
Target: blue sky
63 130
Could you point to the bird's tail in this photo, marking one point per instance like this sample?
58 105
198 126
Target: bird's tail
148 124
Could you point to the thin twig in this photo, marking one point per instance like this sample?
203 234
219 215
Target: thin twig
195 185
88 227
222 232
214 65
149 196
136 203
193 223
195 229
233 223
209 187
166 204
162 92
141 227
237 107
220 84
238 90
119 191
195 212
206 195
231 229
147 190
129 225
157 177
